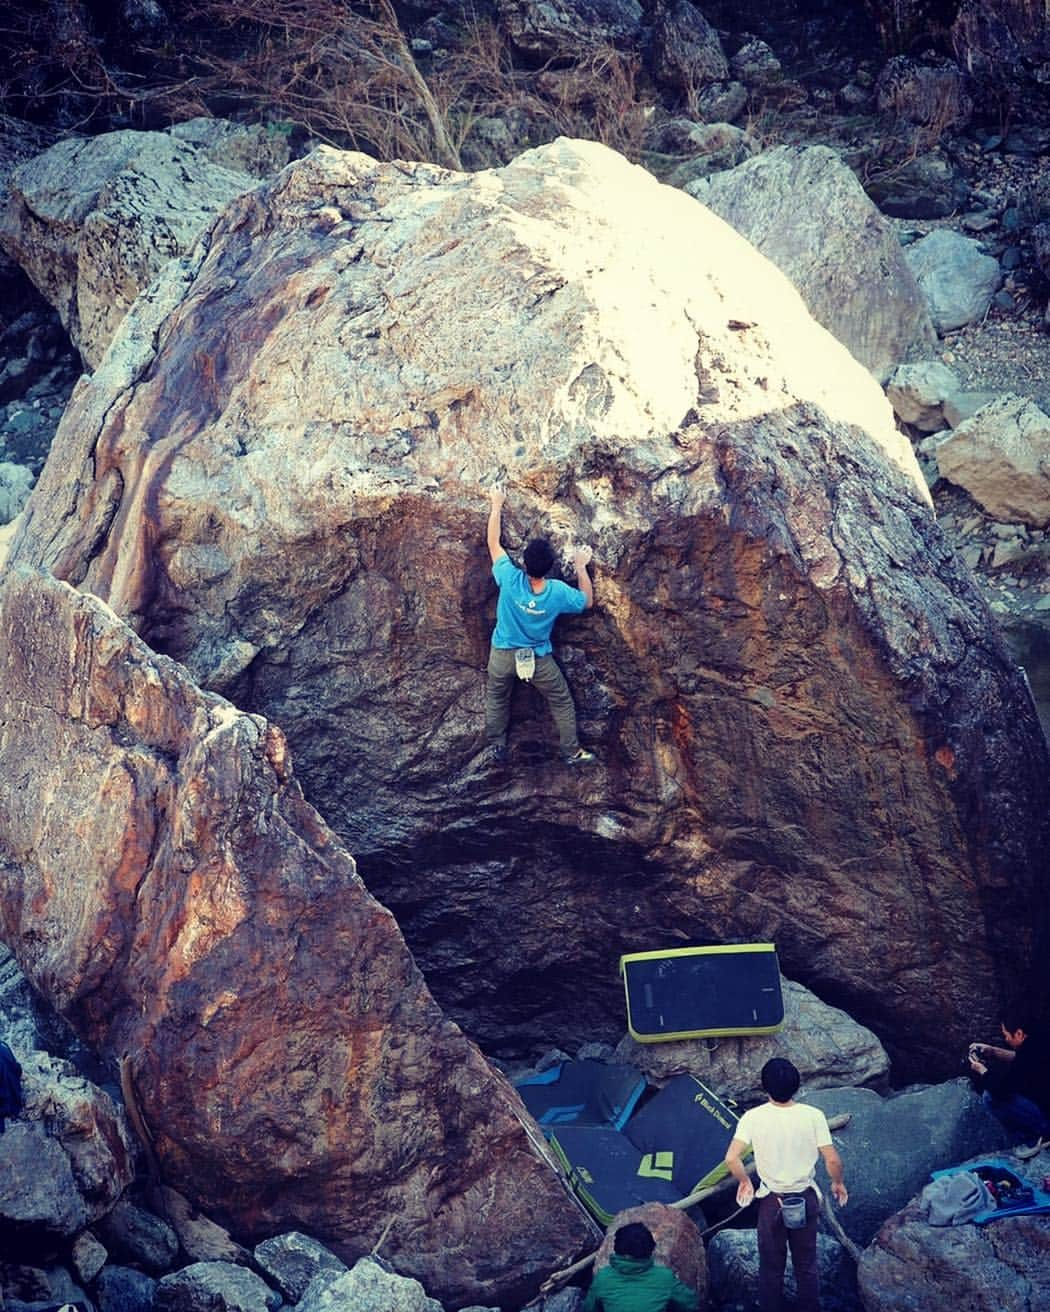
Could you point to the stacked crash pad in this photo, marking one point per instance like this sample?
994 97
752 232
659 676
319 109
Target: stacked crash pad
672 1146
583 1093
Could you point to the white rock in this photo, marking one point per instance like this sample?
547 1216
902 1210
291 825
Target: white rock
918 392
1001 456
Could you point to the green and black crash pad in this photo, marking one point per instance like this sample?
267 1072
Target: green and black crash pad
672 1146
582 1093
691 993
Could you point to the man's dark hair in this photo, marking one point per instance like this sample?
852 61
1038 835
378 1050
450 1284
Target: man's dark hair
539 557
634 1240
1019 1015
780 1079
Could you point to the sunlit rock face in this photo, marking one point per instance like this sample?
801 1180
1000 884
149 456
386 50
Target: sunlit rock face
808 728
168 888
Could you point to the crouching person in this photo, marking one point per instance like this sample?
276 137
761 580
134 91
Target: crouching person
633 1282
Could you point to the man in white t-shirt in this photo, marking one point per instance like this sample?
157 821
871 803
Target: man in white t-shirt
787 1138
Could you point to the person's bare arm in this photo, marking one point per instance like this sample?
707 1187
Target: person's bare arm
495 526
833 1162
745 1191
581 560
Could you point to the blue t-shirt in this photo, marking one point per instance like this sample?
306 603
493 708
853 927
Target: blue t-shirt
525 618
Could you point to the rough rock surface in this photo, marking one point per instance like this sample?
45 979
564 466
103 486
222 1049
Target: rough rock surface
958 279
678 1243
556 30
1001 456
370 1284
891 1145
809 730
828 1048
215 1287
169 889
135 1236
292 1260
685 51
1004 1267
805 210
92 221
66 1160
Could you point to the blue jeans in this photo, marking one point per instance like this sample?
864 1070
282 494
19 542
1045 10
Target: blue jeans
1018 1114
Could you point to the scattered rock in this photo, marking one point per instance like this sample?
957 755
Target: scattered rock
557 29
138 1237
685 52
123 1289
87 1257
369 1285
16 482
918 393
214 1287
930 93
756 65
1001 456
959 280
292 1260
804 210
828 1048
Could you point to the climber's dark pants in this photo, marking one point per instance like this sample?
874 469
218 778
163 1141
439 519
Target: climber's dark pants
774 1239
548 680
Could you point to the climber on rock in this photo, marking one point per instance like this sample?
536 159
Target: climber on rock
527 607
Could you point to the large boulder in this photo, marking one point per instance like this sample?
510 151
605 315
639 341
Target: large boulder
169 889
1003 1267
93 220
828 1047
891 1145
809 729
805 210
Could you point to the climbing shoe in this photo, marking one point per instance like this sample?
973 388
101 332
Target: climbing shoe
496 754
581 756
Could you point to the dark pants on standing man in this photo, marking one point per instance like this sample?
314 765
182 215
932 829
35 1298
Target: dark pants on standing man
774 1240
548 681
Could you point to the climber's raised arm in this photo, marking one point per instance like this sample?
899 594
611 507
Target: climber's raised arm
496 499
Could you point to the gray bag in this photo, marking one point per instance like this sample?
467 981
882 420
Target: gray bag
955 1199
793 1210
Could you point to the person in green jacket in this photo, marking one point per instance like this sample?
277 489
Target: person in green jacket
633 1283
